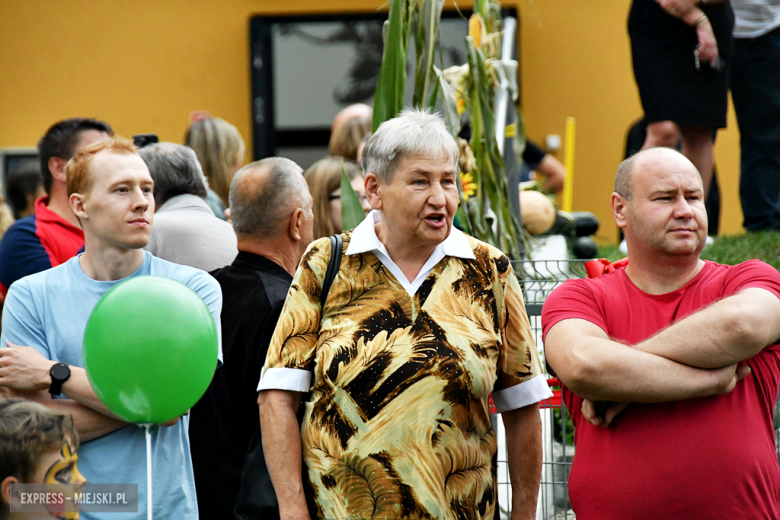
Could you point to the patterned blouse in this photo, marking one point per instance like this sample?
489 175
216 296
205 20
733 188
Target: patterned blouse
397 424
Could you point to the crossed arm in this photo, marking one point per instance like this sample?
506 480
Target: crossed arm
728 331
24 372
695 357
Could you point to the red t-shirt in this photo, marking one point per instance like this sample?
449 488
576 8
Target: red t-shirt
707 458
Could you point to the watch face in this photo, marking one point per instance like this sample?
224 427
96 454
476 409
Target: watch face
60 371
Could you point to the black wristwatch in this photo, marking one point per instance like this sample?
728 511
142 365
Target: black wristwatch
60 372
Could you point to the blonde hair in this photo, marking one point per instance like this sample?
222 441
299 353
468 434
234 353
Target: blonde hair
323 178
345 141
218 146
79 178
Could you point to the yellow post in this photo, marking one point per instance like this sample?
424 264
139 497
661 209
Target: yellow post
568 162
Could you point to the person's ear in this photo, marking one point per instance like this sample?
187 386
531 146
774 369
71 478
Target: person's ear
57 168
76 201
372 185
5 489
297 221
619 209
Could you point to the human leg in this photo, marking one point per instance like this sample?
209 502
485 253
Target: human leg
697 147
661 133
755 89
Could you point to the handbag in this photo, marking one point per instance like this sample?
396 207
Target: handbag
336 247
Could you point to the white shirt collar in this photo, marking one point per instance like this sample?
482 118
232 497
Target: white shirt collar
364 239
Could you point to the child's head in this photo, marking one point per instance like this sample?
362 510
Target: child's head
37 446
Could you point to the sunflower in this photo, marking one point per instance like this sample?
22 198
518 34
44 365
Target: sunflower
468 185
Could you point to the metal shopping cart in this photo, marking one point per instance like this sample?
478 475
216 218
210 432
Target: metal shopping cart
537 279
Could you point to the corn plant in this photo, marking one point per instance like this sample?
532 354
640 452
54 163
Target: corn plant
352 212
391 83
485 211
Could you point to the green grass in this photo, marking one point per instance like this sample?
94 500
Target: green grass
734 249
730 250
610 252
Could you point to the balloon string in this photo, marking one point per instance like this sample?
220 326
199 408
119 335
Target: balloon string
148 471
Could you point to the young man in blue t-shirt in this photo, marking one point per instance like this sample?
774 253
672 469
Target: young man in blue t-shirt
110 192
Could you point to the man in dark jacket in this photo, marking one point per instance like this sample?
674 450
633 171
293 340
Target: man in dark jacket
272 217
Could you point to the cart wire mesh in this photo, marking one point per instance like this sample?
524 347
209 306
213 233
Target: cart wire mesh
537 279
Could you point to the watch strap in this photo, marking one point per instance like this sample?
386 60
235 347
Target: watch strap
55 388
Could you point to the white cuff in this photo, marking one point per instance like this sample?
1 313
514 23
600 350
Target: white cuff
293 379
523 394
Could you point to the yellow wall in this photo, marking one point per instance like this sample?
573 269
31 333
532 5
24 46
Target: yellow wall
145 65
576 61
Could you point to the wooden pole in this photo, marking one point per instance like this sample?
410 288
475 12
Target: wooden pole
568 162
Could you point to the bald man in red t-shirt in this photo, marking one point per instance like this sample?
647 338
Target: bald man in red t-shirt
670 366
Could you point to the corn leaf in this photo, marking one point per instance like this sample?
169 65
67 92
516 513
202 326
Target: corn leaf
506 69
505 232
431 105
428 30
494 17
391 83
481 8
463 220
385 28
449 105
352 212
487 215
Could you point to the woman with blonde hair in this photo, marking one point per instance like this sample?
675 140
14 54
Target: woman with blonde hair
346 139
324 180
220 150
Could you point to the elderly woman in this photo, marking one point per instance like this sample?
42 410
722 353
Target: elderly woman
421 325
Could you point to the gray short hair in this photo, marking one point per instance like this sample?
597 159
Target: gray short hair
259 208
623 184
413 132
175 170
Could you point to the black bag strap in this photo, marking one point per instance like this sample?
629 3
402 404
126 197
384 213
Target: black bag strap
336 247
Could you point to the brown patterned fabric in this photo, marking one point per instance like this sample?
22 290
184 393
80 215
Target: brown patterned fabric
397 426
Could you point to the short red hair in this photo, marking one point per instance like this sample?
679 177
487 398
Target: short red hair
79 178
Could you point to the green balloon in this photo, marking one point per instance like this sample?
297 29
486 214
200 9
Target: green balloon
150 349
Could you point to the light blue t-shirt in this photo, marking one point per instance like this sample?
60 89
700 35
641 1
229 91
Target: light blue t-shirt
49 311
